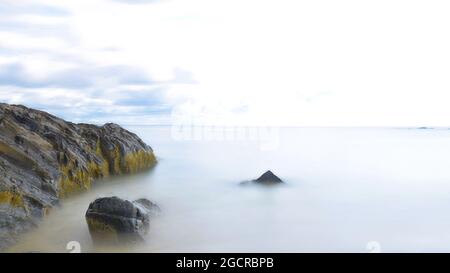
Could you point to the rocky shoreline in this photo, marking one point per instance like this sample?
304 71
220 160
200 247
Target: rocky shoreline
44 159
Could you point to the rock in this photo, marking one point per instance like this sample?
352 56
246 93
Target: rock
44 158
145 204
114 220
268 178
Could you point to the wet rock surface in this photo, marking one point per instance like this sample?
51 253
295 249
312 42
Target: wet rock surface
44 158
114 220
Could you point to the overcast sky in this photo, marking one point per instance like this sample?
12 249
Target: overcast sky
229 62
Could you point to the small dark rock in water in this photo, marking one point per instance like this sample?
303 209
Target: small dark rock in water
424 128
268 178
114 220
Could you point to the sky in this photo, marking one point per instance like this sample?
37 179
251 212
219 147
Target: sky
229 62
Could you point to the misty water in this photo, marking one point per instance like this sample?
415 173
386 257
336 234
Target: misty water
347 190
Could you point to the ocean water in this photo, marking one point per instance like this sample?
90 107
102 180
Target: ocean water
347 190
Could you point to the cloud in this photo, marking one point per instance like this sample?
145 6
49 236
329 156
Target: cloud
287 62
9 8
44 65
34 29
183 76
79 77
120 105
88 93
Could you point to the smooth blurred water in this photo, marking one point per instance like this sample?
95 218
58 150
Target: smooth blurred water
346 188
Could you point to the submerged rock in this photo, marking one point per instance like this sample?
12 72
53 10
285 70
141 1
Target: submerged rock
114 220
268 178
44 158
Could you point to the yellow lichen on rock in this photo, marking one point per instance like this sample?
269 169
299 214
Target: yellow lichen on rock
12 198
117 161
76 180
69 186
73 180
98 170
98 149
139 161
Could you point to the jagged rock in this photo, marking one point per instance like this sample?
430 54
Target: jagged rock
268 178
114 220
44 158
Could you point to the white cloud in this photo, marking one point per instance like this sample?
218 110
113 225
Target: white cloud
284 62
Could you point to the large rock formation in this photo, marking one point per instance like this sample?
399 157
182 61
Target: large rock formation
44 158
114 220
